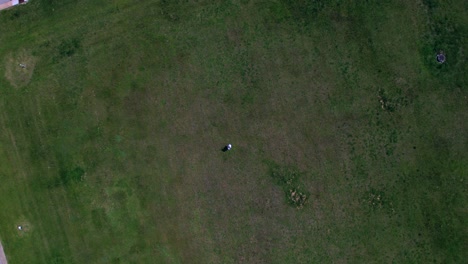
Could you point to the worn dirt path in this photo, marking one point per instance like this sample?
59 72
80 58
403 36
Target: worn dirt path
2 255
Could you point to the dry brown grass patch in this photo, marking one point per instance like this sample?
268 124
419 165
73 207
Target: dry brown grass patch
18 75
23 227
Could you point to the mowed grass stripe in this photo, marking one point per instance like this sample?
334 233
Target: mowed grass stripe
43 207
19 181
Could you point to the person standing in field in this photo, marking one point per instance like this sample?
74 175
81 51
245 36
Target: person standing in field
227 147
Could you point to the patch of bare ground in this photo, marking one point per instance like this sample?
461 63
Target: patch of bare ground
19 68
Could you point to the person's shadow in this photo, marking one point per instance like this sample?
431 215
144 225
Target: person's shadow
225 149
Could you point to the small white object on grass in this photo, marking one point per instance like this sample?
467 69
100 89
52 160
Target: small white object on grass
20 228
22 65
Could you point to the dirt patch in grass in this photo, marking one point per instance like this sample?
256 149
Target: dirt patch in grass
19 68
23 227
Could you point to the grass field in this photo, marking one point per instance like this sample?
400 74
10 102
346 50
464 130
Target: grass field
110 137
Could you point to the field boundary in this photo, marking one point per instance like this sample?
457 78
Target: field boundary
8 4
3 259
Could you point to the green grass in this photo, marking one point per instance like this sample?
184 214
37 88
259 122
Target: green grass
110 149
